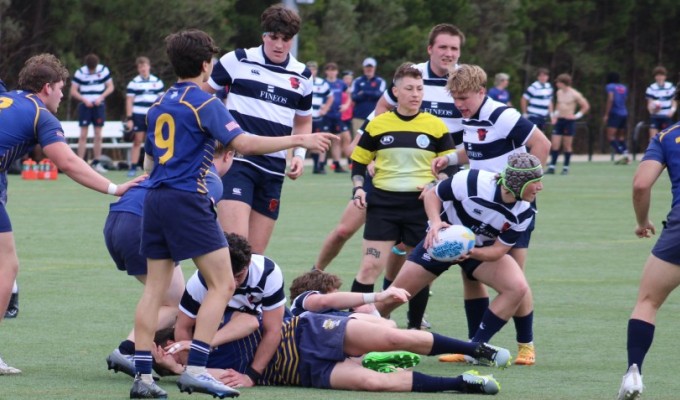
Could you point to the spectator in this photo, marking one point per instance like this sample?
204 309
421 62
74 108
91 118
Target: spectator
322 100
536 103
660 102
498 92
616 116
366 91
334 121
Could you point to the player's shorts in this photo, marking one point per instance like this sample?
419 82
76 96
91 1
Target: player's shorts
420 256
537 120
139 123
238 354
319 125
659 122
5 224
525 237
122 234
617 121
564 127
666 247
251 185
320 346
179 225
95 115
395 216
335 125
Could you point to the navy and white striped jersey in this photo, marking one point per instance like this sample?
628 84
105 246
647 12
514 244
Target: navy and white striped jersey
145 92
662 93
262 290
320 92
473 198
436 101
297 306
264 97
493 133
91 85
539 96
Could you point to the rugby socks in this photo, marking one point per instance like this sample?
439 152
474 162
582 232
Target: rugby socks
361 287
489 326
444 345
315 159
474 311
623 147
127 347
427 383
640 336
198 354
416 308
553 157
619 146
524 328
567 159
386 283
143 362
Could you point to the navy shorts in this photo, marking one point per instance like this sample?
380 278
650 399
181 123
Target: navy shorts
666 247
179 225
395 216
659 122
565 127
321 340
420 256
537 120
139 123
238 354
95 115
335 125
5 224
525 237
246 183
617 121
122 235
319 125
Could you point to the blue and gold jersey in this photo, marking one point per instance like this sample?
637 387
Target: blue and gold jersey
665 148
283 368
25 122
183 127
403 148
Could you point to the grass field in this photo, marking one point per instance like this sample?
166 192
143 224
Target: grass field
583 267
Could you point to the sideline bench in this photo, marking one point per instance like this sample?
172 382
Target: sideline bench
112 137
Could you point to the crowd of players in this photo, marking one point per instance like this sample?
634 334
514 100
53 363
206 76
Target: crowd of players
208 177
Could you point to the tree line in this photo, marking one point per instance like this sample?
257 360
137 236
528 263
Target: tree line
585 38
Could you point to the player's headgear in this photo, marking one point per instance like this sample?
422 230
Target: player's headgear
522 169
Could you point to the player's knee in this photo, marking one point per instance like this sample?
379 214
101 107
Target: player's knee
343 233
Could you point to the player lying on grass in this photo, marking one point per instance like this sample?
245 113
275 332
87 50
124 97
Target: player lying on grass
497 208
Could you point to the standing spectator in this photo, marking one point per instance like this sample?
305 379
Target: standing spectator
27 120
499 90
564 121
660 102
142 91
322 99
366 91
348 109
91 84
334 121
616 116
536 103
271 95
661 273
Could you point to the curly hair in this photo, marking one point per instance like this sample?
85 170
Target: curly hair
188 50
40 70
240 252
314 280
280 19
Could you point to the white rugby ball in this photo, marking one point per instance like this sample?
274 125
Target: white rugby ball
452 243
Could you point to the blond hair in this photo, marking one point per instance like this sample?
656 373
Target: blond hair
466 78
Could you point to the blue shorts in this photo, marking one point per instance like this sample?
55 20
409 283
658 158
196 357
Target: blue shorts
617 121
420 256
659 122
525 237
238 354
139 123
321 340
319 125
5 224
122 235
95 115
565 127
246 183
335 125
179 225
666 247
537 120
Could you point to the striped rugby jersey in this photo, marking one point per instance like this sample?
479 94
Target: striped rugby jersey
664 94
145 92
539 95
91 85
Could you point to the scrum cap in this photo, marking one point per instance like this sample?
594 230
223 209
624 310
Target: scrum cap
522 169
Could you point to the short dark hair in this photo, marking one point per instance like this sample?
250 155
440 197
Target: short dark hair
660 70
407 69
613 77
280 19
91 61
39 70
142 60
188 50
314 280
542 71
564 78
240 252
445 29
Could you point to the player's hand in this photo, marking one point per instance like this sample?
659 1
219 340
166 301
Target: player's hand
166 360
235 379
371 168
297 168
320 142
426 188
97 101
176 347
124 187
88 103
393 295
646 230
129 125
433 233
359 199
439 164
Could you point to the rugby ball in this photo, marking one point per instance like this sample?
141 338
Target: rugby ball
452 243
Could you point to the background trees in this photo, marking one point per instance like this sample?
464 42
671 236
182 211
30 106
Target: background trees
586 38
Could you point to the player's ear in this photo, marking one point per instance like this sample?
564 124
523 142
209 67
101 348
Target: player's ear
47 89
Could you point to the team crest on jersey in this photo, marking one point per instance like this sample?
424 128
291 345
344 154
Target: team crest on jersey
387 140
294 82
481 134
330 324
506 226
251 299
422 141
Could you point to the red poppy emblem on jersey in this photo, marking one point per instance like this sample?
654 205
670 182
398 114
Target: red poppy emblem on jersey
251 299
505 227
273 205
481 133
294 82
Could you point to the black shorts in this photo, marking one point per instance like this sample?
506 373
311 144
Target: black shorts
395 216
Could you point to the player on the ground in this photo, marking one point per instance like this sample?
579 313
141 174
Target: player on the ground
179 220
661 274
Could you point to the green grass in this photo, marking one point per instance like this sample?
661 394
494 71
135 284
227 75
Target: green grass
584 266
